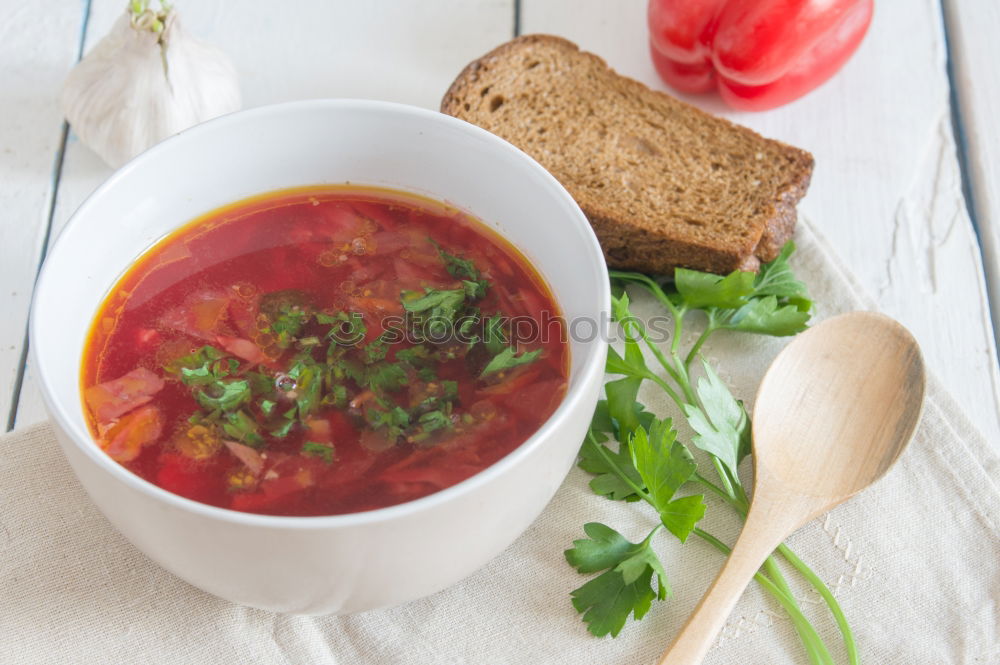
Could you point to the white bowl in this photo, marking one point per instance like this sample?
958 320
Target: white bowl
344 563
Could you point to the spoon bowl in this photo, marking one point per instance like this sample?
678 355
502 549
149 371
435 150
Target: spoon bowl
837 407
834 412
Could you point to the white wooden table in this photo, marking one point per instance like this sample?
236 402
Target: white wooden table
891 191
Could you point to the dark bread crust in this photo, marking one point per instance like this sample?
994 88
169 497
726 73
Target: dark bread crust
716 222
780 227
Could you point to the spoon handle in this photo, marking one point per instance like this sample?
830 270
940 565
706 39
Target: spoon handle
702 627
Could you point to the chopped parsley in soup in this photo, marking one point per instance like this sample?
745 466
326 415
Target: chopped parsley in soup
323 350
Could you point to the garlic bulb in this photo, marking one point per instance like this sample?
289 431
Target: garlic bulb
145 81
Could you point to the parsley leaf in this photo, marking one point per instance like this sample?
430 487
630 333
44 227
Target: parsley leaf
202 367
287 313
449 390
339 368
394 419
664 465
430 422
376 350
308 387
466 328
386 377
199 376
324 451
701 290
494 337
764 317
436 301
243 428
261 384
622 404
224 395
611 470
283 430
633 363
601 423
508 359
681 515
775 278
474 290
416 356
457 266
288 324
463 269
624 588
770 302
337 396
604 549
348 328
721 424
617 365
434 420
437 310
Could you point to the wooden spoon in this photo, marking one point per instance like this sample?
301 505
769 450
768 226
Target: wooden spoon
833 413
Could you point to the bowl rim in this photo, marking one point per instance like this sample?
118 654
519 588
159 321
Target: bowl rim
592 367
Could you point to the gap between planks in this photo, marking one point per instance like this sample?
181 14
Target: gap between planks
50 204
976 204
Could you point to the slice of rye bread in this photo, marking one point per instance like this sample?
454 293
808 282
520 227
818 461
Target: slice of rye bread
663 183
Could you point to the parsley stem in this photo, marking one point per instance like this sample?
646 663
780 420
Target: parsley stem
666 387
693 353
632 325
774 572
685 381
727 485
681 403
650 285
740 504
831 601
817 651
715 489
677 371
739 501
678 327
649 538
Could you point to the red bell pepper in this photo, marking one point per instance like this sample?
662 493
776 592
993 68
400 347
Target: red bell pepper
758 53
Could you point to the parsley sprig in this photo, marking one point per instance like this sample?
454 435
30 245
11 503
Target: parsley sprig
652 466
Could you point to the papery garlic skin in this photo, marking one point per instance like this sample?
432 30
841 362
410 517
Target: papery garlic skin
136 88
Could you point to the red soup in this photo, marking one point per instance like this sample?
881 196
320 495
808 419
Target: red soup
321 351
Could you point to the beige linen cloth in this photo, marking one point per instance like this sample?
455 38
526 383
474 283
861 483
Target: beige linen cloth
915 562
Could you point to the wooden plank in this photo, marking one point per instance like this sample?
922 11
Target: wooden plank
917 260
405 52
972 29
38 45
887 186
